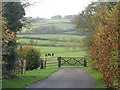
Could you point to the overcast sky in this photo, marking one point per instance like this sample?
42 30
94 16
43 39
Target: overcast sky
49 8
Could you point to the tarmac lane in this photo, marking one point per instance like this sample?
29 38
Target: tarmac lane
67 78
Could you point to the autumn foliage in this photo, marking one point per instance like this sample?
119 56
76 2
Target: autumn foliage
7 34
104 49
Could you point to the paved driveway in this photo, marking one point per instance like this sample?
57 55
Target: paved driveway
67 78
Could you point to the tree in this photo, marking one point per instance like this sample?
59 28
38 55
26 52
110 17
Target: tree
69 17
103 44
12 13
56 17
104 49
33 59
83 21
86 25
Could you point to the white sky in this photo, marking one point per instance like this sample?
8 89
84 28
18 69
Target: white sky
49 8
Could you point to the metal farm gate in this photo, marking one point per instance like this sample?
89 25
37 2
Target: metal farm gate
63 61
72 61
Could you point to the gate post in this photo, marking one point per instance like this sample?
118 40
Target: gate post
59 61
85 63
41 64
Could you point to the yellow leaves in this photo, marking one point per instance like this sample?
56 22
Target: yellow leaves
94 61
103 9
23 51
7 30
105 47
7 35
107 19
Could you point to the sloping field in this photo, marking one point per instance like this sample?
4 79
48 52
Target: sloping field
54 36
63 24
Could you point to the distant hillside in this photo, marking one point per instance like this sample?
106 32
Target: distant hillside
52 26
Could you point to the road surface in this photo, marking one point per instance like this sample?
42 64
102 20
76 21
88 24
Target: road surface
67 78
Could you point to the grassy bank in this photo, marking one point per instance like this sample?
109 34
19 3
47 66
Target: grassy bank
27 79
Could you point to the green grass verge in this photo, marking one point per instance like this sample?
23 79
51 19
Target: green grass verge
29 78
97 75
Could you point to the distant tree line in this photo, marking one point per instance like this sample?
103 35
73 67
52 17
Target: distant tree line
65 17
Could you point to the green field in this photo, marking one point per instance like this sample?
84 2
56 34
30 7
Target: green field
58 51
63 24
55 36
60 25
70 32
42 42
58 20
71 47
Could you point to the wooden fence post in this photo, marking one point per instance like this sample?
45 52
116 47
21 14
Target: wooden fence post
45 63
24 66
59 61
21 66
41 64
85 63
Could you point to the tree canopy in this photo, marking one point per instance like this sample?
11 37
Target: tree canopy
12 14
100 23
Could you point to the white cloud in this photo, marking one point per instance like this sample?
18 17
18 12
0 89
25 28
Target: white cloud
49 8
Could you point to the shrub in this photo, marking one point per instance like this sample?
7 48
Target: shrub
31 55
32 59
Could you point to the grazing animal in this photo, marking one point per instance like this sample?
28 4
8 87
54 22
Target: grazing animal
49 54
52 54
